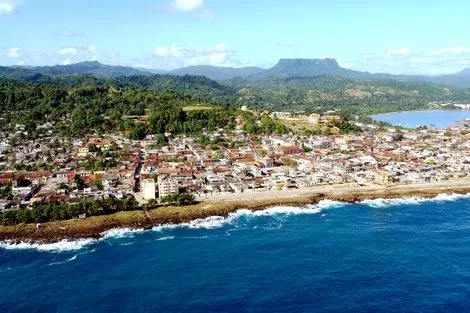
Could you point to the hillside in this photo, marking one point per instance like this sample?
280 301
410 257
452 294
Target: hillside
198 88
329 92
293 84
81 110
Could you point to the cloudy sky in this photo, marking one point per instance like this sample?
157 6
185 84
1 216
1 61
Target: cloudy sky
395 36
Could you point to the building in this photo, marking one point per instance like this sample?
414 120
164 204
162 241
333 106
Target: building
383 178
166 188
330 118
314 118
289 150
148 189
83 151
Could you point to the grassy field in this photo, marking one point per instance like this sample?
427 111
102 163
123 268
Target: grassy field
198 107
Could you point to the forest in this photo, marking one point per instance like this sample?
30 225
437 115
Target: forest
154 104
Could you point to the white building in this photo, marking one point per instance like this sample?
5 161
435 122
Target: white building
167 188
148 189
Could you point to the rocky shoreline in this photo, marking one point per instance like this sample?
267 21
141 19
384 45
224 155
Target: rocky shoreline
94 227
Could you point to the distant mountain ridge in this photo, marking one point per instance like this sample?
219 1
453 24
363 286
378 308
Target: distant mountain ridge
285 68
218 73
88 67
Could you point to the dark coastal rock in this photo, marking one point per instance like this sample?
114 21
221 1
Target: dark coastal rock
94 227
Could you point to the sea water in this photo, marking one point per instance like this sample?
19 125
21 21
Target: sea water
404 255
412 119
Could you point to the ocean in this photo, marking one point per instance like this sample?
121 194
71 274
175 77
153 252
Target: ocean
403 255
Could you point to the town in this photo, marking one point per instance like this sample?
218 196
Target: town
54 170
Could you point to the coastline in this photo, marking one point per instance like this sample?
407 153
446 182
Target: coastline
380 116
422 110
94 227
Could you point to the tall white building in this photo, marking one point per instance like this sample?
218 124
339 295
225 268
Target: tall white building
149 189
167 188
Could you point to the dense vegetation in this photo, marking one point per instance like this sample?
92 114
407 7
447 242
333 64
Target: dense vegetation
102 108
323 93
42 213
154 104
179 199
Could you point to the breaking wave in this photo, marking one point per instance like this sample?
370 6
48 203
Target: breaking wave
60 246
214 222
119 233
384 203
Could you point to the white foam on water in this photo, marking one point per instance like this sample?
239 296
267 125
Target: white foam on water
214 222
121 233
451 197
65 261
165 227
126 244
60 246
384 203
206 223
329 204
166 238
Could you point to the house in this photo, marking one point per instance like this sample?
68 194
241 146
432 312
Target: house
7 177
83 152
289 150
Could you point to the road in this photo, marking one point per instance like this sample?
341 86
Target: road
345 188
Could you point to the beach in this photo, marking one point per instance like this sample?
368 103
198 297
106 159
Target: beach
222 205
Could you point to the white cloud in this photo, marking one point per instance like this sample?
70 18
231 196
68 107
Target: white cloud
217 58
398 51
83 51
186 5
26 54
8 6
14 53
344 64
69 50
205 15
162 51
64 55
175 56
446 51
221 47
405 61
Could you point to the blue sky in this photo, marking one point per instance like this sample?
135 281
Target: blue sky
413 36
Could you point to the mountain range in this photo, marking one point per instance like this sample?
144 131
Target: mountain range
285 68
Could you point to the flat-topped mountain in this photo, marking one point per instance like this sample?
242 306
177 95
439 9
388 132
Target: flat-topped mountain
465 73
286 68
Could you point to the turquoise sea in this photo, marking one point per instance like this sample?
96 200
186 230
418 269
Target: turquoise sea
405 255
412 119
